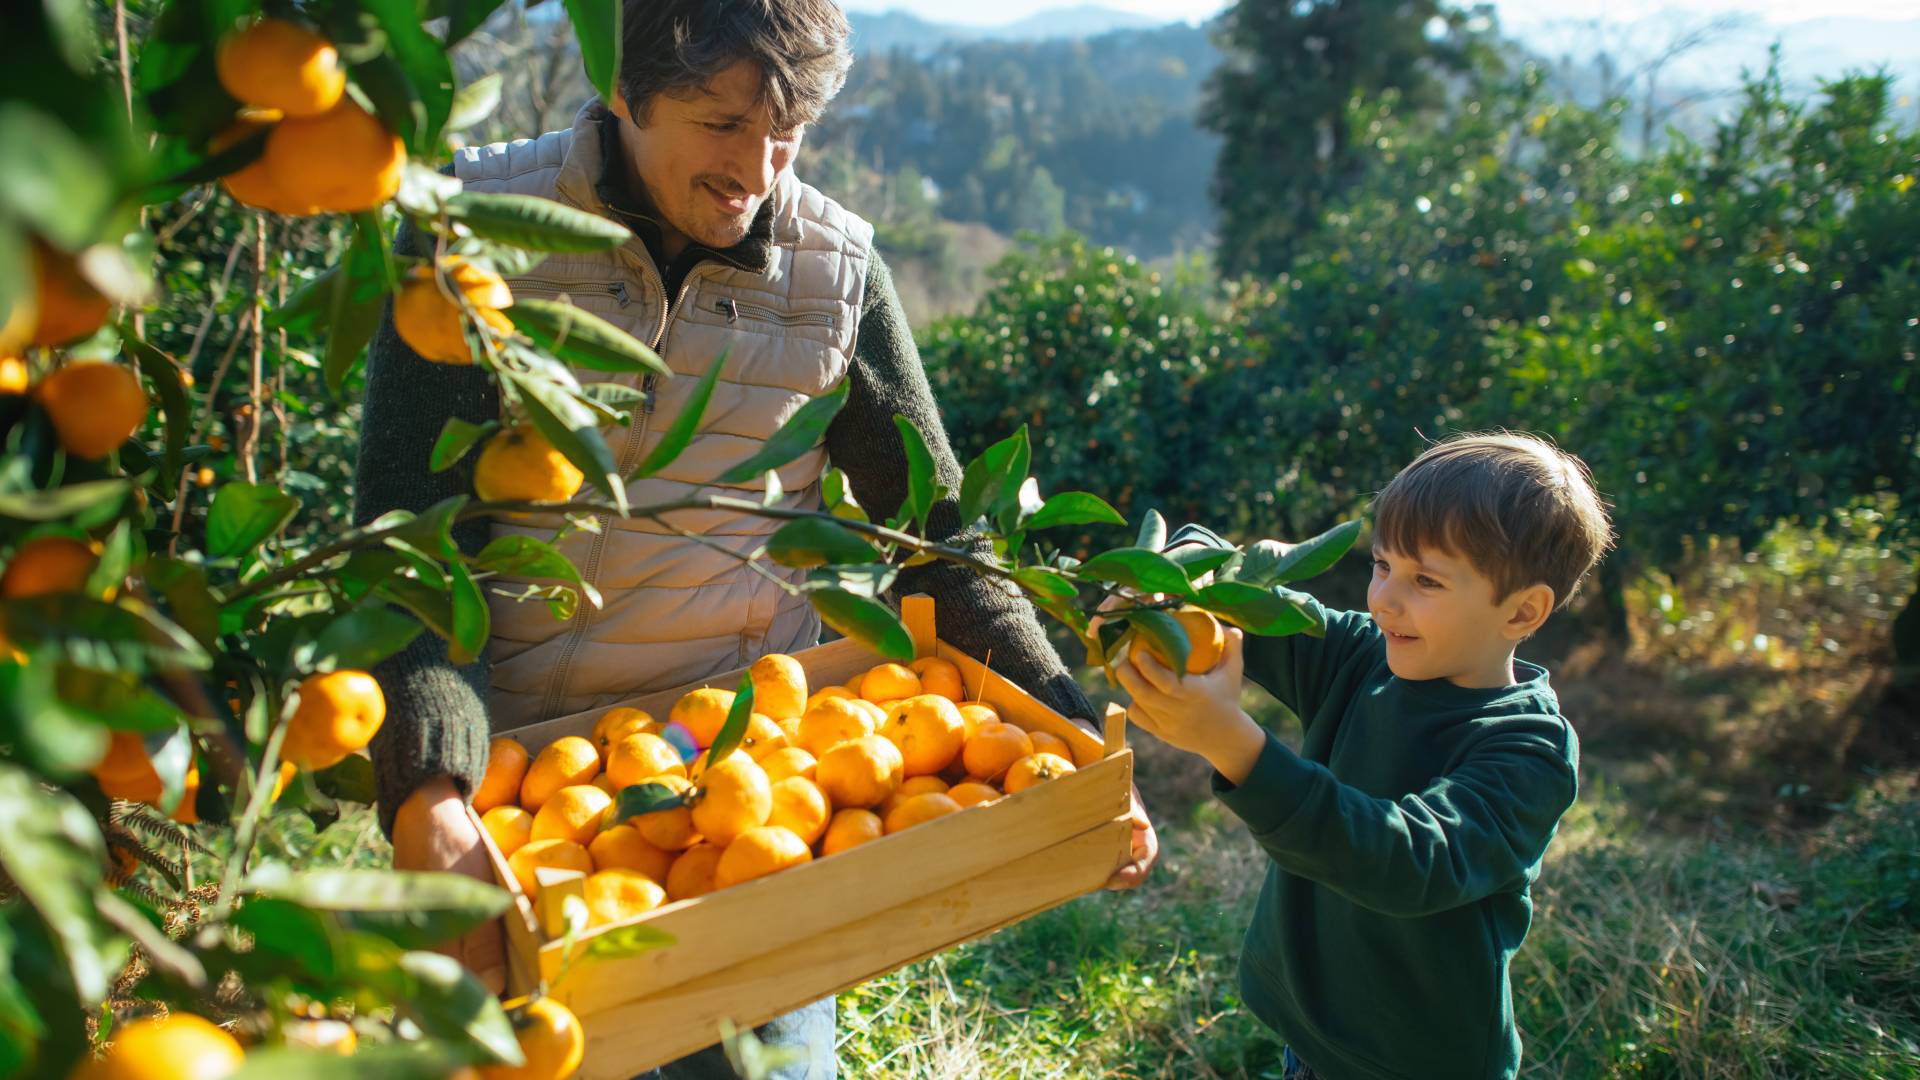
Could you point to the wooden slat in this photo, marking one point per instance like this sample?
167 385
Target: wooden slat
523 939
916 612
641 1034
845 888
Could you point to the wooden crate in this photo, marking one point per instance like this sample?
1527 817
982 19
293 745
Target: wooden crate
835 922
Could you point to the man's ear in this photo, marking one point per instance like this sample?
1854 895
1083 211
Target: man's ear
1526 610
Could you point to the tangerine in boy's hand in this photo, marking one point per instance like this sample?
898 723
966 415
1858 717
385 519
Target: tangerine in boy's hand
1200 714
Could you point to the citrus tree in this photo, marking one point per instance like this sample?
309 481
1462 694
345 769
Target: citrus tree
180 659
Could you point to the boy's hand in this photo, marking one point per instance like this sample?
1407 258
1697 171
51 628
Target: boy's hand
1200 714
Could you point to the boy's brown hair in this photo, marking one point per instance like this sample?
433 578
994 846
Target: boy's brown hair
1516 506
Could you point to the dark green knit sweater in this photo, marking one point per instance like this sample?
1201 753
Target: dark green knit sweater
436 710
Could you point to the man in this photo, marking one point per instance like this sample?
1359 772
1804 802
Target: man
731 253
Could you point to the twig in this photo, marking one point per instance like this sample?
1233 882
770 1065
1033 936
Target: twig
250 430
206 417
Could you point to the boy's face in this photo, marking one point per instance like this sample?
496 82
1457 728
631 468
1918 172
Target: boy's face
1442 619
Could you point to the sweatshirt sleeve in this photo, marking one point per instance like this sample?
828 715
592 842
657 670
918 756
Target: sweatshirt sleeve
436 721
975 614
1474 831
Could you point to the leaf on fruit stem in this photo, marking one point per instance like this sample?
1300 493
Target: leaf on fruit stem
528 221
244 516
681 432
813 541
596 26
637 799
735 728
1074 508
363 637
584 339
1139 569
866 621
1166 632
797 436
1153 532
570 427
456 438
1271 611
527 557
472 619
991 482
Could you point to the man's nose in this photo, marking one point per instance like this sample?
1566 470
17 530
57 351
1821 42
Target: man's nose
757 164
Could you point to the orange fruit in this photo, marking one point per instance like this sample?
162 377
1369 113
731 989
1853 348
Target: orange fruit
510 826
94 405
791 729
126 772
787 761
929 732
993 749
692 873
875 710
341 161
919 810
975 713
671 829
1206 640
913 785
520 465
573 813
287 773
275 64
14 376
180 1046
556 854
889 682
550 1039
702 712
851 828
779 686
639 756
565 762
826 692
338 714
1046 742
618 895
69 308
730 798
605 783
506 767
430 311
621 847
701 760
973 793
48 564
617 723
763 737
799 806
1034 769
758 852
860 772
939 676
832 722
252 183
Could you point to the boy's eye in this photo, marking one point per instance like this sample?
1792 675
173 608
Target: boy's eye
1426 582
1380 566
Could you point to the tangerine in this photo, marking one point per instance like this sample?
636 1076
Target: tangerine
180 1046
573 813
929 732
1035 769
670 829
1206 640
506 768
993 749
520 465
617 895
889 682
919 810
69 307
779 686
48 564
342 161
94 406
703 712
860 772
641 755
621 847
849 829
566 761
692 873
939 676
758 852
275 64
510 826
831 722
788 761
550 1038
731 797
429 313
337 714
973 793
555 854
799 806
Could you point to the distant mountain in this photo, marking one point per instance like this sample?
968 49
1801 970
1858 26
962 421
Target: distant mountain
879 32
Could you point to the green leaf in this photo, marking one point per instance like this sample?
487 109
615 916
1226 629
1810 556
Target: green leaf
52 852
463 18
797 436
425 63
351 780
920 473
63 189
366 568
307 310
1166 632
449 1002
992 481
528 221
62 502
526 557
866 621
388 1061
244 516
681 432
596 26
125 636
1074 508
411 909
1268 612
627 941
431 605
865 579
636 799
21 1027
472 619
290 932
363 637
569 426
1138 568
1197 560
474 102
584 339
1309 558
456 438
1153 532
615 395
1049 584
42 729
735 728
812 541
160 370
429 532
354 305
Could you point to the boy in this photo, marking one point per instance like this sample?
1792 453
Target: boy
1434 769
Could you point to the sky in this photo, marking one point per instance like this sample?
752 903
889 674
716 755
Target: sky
991 12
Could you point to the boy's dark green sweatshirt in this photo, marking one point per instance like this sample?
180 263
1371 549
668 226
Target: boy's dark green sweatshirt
1403 837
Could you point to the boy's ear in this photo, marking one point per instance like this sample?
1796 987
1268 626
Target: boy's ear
1526 610
619 106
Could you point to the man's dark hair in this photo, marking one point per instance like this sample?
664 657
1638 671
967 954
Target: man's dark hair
675 47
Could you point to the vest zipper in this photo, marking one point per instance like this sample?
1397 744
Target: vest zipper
735 311
636 436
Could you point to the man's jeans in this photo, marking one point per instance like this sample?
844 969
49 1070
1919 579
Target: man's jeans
812 1025
1292 1068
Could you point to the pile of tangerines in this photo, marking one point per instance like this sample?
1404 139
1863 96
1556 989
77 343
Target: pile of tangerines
816 774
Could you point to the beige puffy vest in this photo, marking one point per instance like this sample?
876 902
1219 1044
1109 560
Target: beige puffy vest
676 611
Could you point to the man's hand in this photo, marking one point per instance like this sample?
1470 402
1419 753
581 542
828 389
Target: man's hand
1200 714
1146 849
433 831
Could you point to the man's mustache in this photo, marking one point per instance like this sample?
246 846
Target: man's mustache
721 184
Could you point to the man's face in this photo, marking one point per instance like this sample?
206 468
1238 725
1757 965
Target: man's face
709 160
1441 618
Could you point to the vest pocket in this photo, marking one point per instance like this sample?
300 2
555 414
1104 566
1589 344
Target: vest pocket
735 311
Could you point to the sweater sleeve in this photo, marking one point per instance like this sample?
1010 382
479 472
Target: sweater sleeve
975 614
436 721
1472 832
